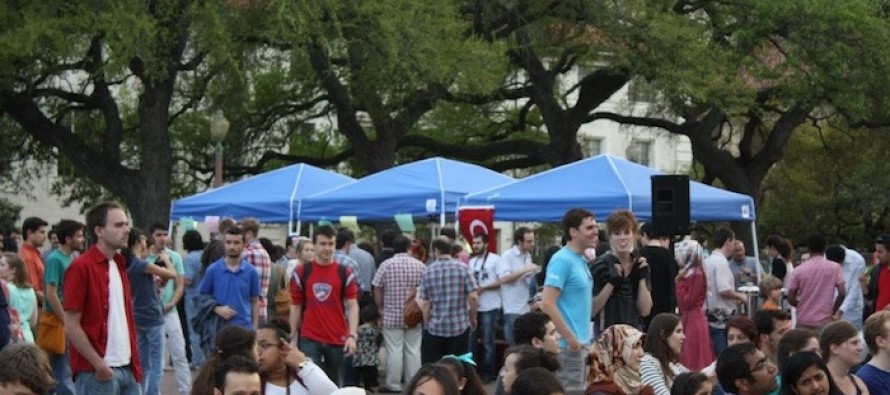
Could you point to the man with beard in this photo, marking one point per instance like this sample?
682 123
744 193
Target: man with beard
98 308
234 284
70 242
485 266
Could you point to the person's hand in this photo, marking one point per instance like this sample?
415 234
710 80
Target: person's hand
474 323
574 345
104 373
225 312
349 347
168 308
837 315
641 268
293 357
163 259
616 276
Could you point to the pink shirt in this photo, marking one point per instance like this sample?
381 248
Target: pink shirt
815 281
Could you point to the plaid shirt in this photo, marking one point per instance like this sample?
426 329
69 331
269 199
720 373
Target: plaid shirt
344 259
447 283
259 258
397 276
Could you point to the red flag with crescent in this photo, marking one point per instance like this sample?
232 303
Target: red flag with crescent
478 220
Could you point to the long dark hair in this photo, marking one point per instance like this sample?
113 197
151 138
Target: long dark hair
661 327
281 327
230 340
799 363
688 383
438 373
464 370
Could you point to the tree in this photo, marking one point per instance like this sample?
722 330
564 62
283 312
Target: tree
102 83
832 182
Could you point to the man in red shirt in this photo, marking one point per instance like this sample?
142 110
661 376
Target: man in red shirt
98 309
34 230
878 291
325 335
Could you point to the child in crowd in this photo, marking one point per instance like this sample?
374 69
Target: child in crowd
692 383
366 354
771 291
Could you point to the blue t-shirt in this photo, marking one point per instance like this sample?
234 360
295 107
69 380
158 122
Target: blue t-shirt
147 308
568 271
233 289
192 263
875 379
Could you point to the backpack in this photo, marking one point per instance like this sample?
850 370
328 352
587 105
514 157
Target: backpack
307 270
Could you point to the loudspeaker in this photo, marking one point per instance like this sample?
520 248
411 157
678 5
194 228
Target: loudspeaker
670 205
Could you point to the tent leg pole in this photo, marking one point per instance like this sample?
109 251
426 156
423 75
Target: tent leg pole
756 246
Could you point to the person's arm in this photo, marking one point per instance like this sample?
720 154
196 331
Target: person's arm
255 310
424 309
599 301
162 272
296 312
473 302
352 320
841 294
644 296
726 287
651 375
518 274
32 320
548 305
52 297
378 299
792 297
81 343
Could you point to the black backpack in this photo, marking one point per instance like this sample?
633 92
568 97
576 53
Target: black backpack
307 270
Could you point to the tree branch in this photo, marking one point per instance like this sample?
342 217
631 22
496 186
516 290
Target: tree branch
638 121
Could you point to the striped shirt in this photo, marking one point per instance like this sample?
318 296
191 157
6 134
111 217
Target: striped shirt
397 276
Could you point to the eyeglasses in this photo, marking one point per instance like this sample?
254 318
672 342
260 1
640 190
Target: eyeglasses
266 345
762 364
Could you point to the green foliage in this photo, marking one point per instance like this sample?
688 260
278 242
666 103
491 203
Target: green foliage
832 182
9 214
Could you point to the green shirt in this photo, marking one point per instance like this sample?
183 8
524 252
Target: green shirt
169 289
56 264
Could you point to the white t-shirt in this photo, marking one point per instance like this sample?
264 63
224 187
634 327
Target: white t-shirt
720 279
117 347
315 379
514 295
485 269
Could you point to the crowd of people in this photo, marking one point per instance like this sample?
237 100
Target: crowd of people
237 314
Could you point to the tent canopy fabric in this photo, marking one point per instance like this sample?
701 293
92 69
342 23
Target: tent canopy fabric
429 187
269 197
602 184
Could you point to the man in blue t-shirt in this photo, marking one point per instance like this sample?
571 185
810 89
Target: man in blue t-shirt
568 296
876 373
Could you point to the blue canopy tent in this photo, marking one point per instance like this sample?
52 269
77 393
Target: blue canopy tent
269 197
602 184
429 187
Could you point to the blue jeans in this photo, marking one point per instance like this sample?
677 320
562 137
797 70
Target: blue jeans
718 337
485 332
509 320
328 356
191 307
62 373
151 356
122 383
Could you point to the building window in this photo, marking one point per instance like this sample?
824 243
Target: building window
640 151
592 146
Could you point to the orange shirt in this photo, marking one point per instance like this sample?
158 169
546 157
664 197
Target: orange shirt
34 264
769 305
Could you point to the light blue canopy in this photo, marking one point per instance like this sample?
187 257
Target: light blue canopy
602 184
269 197
429 187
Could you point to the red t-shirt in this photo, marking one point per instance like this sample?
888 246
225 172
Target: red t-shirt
324 315
883 288
34 263
85 288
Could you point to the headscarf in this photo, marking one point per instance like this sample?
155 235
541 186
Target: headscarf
615 346
688 253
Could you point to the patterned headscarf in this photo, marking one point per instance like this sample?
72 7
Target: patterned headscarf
688 253
615 346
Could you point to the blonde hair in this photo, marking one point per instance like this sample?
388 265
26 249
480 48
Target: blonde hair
769 284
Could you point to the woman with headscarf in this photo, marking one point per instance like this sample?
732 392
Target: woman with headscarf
615 363
692 289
